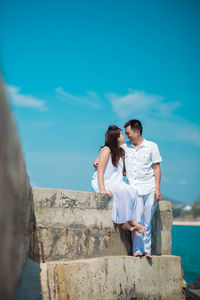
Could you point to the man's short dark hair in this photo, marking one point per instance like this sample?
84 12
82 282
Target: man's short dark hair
135 125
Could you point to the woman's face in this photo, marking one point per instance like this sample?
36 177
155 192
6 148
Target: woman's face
121 139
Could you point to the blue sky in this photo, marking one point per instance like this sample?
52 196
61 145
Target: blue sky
71 68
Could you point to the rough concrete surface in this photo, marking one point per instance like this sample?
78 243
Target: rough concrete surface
73 224
119 277
15 203
161 229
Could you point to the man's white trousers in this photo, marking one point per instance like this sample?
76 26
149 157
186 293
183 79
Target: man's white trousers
145 211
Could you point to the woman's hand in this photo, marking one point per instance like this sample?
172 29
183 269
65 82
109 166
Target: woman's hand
106 192
95 163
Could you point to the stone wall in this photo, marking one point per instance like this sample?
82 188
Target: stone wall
73 224
15 203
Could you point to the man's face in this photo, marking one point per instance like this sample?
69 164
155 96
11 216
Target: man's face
131 134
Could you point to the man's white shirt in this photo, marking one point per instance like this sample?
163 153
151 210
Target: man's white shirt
139 165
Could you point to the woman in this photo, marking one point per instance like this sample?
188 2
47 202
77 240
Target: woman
108 179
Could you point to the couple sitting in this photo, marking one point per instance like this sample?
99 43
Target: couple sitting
133 204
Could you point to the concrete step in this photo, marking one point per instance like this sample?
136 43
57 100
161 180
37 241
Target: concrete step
104 278
73 225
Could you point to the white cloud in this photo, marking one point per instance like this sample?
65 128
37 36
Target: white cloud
141 103
183 182
91 99
24 100
160 117
173 129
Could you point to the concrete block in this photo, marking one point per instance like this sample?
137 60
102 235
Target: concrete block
58 243
73 224
161 229
120 277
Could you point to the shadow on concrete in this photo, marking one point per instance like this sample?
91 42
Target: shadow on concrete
125 237
29 286
156 237
150 261
35 251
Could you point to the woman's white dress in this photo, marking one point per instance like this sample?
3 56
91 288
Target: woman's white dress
124 196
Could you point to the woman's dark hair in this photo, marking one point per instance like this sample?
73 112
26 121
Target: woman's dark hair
111 141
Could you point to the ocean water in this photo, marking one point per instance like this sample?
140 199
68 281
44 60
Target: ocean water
186 243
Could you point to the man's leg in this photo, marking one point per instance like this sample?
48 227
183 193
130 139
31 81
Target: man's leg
149 209
137 238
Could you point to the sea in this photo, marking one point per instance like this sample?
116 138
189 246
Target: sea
186 244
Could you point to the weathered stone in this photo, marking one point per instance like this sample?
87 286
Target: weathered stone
48 197
15 203
72 225
161 229
59 243
119 277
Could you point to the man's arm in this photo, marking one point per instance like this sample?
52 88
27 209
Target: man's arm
157 172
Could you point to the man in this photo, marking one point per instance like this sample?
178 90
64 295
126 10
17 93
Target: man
142 159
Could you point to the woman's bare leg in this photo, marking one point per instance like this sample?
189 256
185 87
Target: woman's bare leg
138 227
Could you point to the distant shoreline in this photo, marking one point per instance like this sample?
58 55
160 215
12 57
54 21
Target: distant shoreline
188 223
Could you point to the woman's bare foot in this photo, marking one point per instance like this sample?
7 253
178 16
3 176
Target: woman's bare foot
138 227
147 255
138 254
127 226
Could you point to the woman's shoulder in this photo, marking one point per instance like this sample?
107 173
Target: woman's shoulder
104 153
105 149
